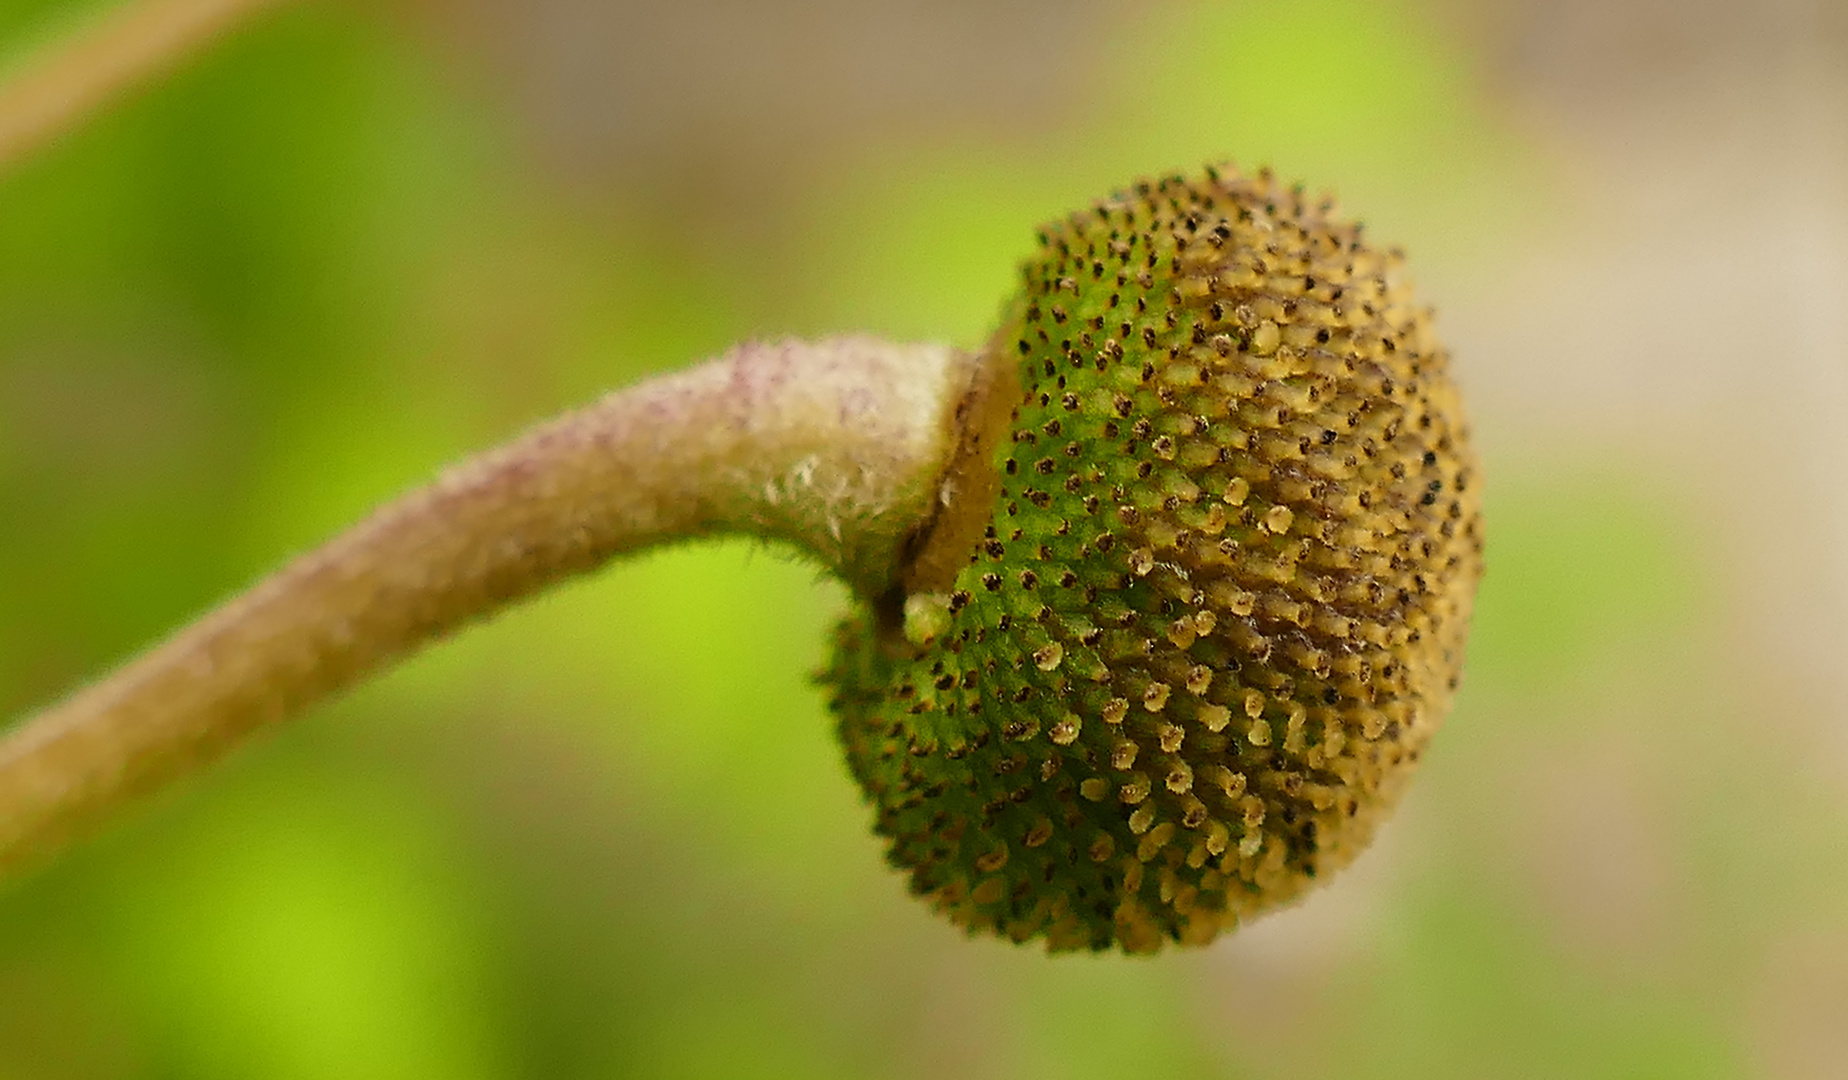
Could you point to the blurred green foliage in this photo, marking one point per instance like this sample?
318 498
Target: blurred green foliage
610 834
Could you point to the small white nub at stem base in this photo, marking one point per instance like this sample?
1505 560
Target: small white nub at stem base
838 447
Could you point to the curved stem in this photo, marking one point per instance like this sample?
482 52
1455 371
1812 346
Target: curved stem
60 86
839 447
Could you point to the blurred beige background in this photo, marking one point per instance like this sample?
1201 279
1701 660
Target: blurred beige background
609 835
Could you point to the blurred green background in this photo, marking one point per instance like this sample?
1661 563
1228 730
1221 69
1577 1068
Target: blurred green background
609 835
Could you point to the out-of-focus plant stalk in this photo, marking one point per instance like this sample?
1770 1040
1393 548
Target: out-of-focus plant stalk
839 447
56 88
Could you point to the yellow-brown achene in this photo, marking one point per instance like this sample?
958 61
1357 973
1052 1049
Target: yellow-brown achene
1218 606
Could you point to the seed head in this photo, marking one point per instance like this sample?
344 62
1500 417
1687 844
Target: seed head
1218 605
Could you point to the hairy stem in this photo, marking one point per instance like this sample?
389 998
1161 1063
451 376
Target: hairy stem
58 87
840 448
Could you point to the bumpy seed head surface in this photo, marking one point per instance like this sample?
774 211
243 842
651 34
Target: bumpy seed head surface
1219 605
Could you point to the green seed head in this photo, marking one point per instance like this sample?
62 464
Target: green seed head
1216 605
